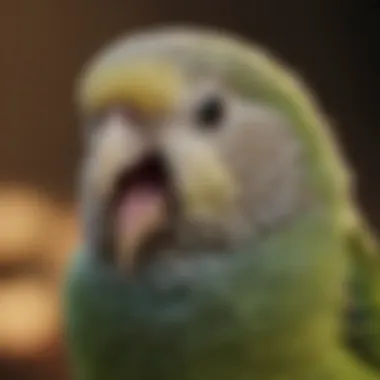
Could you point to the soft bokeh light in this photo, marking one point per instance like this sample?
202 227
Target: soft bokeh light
37 236
25 217
28 317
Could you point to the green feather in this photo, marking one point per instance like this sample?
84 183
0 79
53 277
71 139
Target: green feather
363 328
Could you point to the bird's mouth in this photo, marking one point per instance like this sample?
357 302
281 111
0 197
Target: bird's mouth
141 208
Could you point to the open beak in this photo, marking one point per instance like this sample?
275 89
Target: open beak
140 207
130 174
134 182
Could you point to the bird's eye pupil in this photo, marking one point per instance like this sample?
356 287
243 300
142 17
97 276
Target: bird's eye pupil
210 112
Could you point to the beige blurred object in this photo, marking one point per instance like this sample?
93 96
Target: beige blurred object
28 317
26 216
38 232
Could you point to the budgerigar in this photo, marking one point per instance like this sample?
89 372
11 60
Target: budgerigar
221 239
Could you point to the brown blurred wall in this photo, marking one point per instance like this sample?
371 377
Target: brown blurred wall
43 44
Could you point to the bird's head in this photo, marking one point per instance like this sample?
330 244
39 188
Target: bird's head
195 143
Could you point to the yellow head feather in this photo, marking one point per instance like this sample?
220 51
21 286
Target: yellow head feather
150 87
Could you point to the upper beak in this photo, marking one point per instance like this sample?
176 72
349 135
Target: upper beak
116 147
150 88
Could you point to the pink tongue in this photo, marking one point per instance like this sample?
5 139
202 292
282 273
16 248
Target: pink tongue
140 211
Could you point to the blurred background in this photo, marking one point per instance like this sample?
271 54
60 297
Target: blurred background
43 45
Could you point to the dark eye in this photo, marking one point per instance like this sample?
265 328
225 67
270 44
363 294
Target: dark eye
210 112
